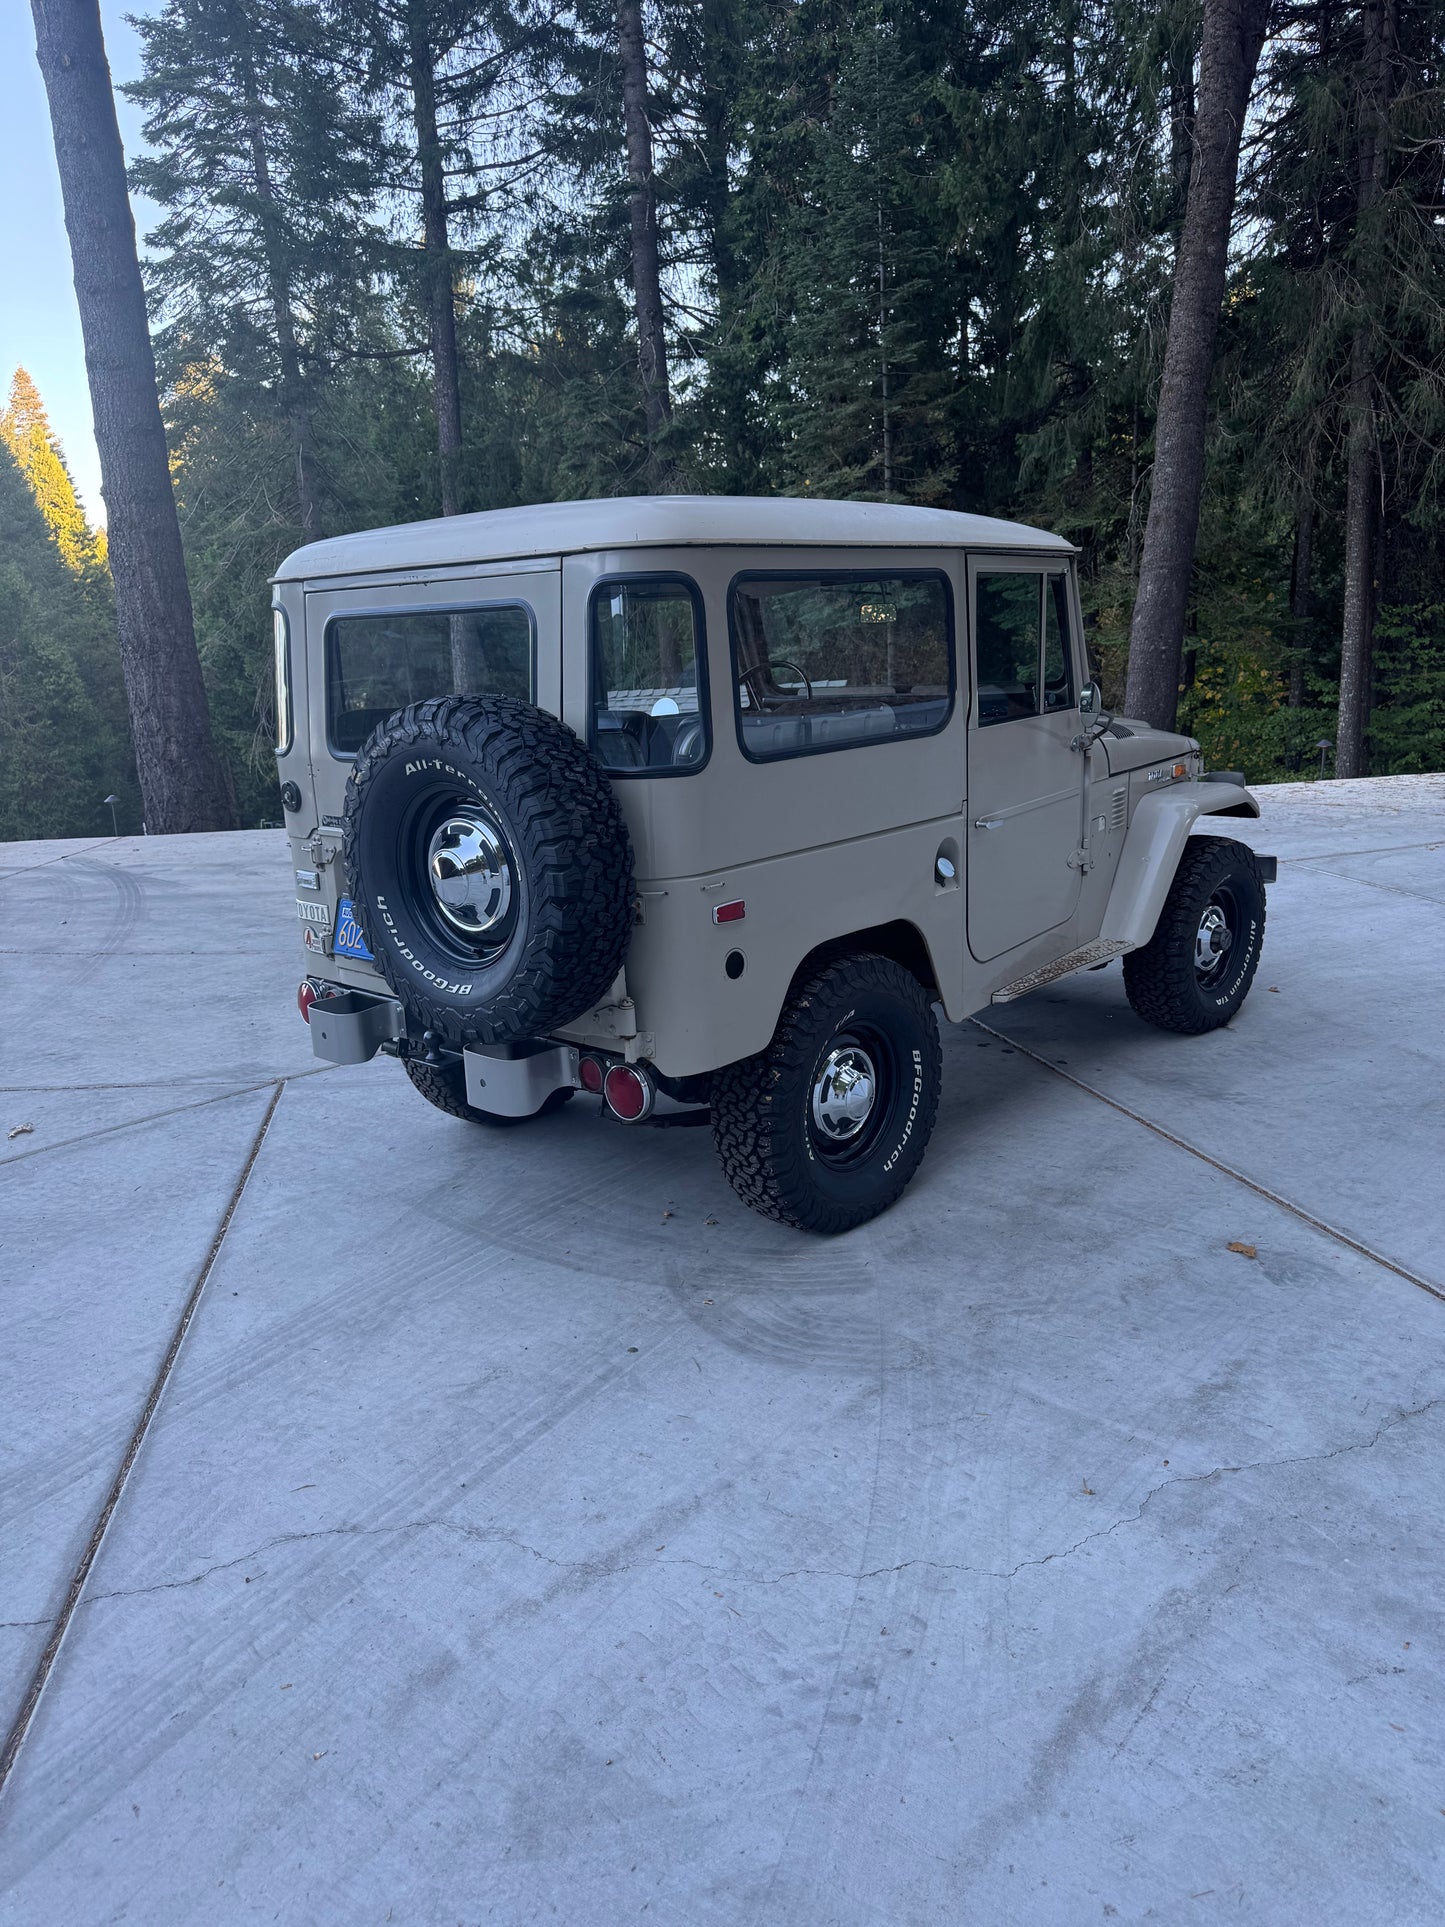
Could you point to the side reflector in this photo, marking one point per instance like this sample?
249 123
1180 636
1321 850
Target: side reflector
729 912
1181 770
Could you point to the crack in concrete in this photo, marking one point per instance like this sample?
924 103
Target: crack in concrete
602 1569
1362 1250
158 1117
1395 889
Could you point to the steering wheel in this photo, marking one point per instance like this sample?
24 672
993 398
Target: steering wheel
775 662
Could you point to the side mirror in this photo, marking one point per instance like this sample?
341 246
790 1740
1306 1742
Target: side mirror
1095 718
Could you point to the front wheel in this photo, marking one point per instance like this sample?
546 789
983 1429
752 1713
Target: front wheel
1195 971
825 1128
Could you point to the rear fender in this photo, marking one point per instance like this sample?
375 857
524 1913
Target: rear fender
1158 832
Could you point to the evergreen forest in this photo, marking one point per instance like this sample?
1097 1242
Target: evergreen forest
421 257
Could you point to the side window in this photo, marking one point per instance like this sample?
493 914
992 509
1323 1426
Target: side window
648 714
281 641
830 661
1059 690
377 664
1007 611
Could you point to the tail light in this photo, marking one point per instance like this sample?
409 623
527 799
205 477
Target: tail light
306 996
627 1093
591 1072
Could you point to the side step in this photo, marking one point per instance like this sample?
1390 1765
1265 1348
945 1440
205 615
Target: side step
1098 952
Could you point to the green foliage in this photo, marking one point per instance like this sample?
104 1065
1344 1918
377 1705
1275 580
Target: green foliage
914 252
64 745
1408 727
25 430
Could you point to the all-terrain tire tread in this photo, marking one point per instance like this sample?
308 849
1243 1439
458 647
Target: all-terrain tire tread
757 1139
1159 978
567 813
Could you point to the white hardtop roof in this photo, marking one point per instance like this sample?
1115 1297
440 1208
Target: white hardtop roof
630 521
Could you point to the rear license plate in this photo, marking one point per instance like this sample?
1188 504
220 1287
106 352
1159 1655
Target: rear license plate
313 912
349 940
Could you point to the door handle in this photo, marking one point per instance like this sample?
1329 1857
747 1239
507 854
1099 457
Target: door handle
988 822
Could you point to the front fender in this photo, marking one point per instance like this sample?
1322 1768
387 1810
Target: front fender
1157 834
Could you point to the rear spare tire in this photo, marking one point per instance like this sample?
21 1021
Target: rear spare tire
489 866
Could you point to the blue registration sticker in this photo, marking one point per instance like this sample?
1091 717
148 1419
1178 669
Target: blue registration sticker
349 941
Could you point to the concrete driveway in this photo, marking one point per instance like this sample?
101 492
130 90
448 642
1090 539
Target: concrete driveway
513 1528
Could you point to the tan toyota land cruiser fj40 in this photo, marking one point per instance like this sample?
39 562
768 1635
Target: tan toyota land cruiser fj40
710 801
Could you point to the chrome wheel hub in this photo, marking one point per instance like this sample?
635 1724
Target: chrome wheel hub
844 1094
1211 940
470 874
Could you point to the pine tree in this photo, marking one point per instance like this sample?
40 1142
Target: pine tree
25 429
182 778
262 162
64 745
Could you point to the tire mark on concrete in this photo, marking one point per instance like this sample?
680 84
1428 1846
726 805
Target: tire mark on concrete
129 908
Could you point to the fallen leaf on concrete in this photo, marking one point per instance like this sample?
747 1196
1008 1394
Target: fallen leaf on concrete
20 1130
1245 1251
1273 987
1087 1489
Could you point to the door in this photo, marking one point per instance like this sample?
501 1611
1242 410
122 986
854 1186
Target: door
372 648
1025 800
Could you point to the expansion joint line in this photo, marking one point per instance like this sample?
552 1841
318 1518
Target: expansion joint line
1218 1164
81 1575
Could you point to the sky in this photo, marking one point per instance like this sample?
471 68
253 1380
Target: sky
39 326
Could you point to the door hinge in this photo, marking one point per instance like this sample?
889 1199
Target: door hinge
1081 861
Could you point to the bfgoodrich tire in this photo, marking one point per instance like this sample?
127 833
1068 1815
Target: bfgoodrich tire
1196 970
489 866
825 1128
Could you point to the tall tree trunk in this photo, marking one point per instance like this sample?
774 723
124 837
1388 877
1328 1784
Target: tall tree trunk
184 785
646 277
1362 484
437 257
293 387
1229 54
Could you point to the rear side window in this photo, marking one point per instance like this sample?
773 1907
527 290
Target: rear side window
649 713
377 664
834 660
1025 665
281 642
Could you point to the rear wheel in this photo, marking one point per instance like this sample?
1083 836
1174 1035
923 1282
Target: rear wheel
1195 971
445 1085
825 1128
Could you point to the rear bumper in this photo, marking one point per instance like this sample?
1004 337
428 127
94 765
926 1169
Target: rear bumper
509 1080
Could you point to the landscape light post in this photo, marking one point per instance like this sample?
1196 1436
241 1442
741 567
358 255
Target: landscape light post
1324 746
113 800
